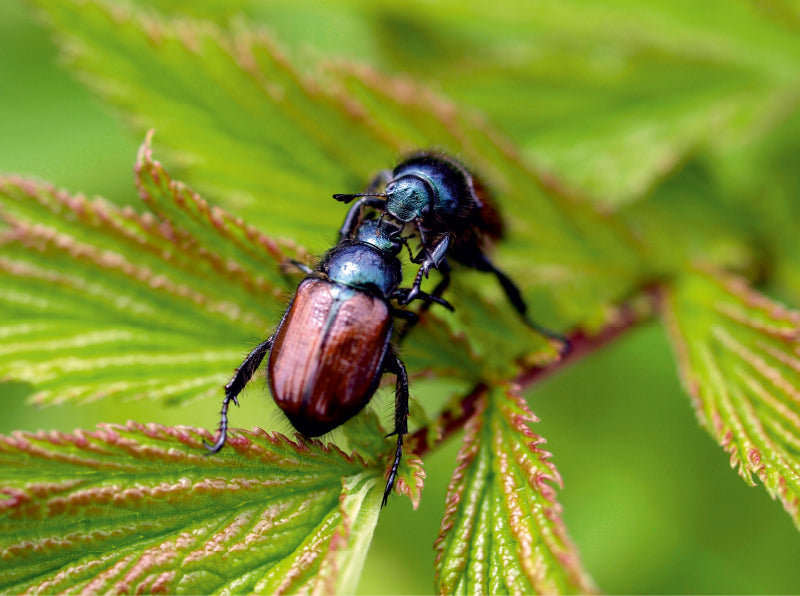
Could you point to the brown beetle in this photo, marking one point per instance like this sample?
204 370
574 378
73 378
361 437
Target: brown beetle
333 344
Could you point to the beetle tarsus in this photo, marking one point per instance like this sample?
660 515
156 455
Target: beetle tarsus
223 431
512 292
444 270
398 455
223 426
396 366
566 344
406 295
415 290
235 386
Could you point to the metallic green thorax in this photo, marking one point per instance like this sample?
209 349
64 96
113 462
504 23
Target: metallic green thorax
363 267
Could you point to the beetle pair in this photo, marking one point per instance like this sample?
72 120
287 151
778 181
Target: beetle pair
333 344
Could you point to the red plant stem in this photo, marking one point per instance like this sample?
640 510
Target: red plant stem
448 423
583 344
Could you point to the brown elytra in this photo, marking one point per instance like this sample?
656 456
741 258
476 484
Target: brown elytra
328 354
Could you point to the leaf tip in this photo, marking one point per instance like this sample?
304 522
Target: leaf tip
412 481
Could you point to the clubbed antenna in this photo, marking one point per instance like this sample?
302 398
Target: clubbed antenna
346 198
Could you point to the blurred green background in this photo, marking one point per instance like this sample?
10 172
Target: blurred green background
648 497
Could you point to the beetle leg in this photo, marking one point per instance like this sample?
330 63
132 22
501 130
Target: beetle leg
235 386
482 263
401 295
396 366
428 259
444 269
408 247
302 267
408 315
441 249
354 214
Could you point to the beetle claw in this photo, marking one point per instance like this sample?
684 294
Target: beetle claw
216 446
398 455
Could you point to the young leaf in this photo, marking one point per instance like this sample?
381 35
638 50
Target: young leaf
611 95
761 179
739 355
247 126
100 301
143 508
502 531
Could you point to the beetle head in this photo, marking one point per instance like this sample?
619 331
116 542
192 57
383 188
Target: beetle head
409 197
383 235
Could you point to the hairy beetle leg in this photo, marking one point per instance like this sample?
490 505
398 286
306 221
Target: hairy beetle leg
396 366
235 386
398 456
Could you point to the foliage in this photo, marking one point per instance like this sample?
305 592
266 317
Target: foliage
100 302
168 518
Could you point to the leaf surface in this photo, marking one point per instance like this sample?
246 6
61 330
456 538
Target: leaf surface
739 355
761 179
247 125
502 531
102 301
142 508
610 95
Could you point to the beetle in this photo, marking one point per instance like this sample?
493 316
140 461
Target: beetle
453 216
333 344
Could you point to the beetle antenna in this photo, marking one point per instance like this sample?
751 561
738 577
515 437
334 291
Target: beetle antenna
405 240
346 198
397 233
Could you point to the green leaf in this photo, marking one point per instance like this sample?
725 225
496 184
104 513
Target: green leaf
761 180
739 355
610 95
142 508
246 125
502 531
99 301
206 9
721 232
785 13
